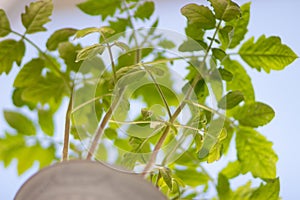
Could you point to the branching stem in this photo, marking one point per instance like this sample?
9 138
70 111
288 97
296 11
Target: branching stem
179 108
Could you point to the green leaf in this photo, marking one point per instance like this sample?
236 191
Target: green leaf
28 155
231 99
200 15
86 31
267 53
59 36
241 80
218 54
46 121
194 31
9 146
30 72
167 44
243 192
122 45
192 177
10 51
190 45
145 10
50 89
4 24
223 187
166 174
240 26
120 25
255 154
19 122
37 15
232 170
268 191
104 8
225 74
68 52
90 52
225 10
254 114
215 151
18 101
225 36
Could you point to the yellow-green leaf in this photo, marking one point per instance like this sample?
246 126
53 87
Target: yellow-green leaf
225 10
9 146
86 31
90 52
37 15
59 36
200 15
10 51
145 10
240 26
269 191
46 121
254 114
232 170
231 99
4 24
240 81
20 122
255 154
29 73
192 177
267 53
104 8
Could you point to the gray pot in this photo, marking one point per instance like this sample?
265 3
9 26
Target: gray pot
86 180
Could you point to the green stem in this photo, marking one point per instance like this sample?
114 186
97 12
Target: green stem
138 51
180 107
65 151
103 123
159 91
111 58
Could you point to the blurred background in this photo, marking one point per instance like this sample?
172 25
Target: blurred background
278 89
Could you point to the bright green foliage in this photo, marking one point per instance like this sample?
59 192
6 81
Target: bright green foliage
267 53
240 81
10 51
20 123
36 16
28 155
240 26
230 100
268 191
142 99
4 24
192 177
46 121
198 14
255 154
145 10
254 114
58 37
232 170
225 10
104 8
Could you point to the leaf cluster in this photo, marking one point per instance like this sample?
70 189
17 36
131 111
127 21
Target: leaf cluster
101 81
